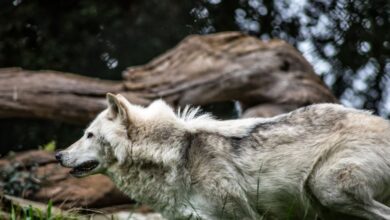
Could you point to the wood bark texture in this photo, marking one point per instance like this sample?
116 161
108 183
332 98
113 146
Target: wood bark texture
267 78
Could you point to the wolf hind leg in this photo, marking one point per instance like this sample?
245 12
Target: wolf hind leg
348 206
372 210
346 191
380 210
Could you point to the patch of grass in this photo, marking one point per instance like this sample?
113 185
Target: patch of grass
29 212
49 205
13 214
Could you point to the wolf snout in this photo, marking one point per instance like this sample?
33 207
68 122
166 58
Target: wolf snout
58 156
62 158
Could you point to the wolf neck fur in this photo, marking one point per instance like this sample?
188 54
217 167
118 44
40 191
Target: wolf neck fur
156 184
164 185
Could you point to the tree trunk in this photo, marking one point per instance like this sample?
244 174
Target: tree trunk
267 78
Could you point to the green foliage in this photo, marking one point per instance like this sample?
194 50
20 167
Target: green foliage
13 213
49 206
49 147
96 38
31 213
346 41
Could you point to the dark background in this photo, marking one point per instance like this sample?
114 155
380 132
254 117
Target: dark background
347 42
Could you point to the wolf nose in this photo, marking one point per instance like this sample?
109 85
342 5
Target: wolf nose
58 156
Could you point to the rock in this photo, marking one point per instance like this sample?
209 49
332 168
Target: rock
55 183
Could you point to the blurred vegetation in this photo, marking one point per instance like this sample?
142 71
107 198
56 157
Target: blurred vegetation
49 147
347 41
16 180
19 211
30 213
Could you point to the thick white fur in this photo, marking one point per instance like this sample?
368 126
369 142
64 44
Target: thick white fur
324 160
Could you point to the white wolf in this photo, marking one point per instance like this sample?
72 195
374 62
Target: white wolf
323 161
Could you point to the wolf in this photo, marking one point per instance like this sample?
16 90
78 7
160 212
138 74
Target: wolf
323 161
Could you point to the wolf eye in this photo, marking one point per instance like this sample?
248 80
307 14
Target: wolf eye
89 135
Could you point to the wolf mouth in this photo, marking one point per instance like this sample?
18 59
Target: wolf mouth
84 168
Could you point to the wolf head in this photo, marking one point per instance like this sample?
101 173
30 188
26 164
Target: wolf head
125 134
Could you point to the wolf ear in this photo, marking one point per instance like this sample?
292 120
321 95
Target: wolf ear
117 107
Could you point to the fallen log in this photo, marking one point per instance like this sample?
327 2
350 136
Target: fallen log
52 95
200 70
